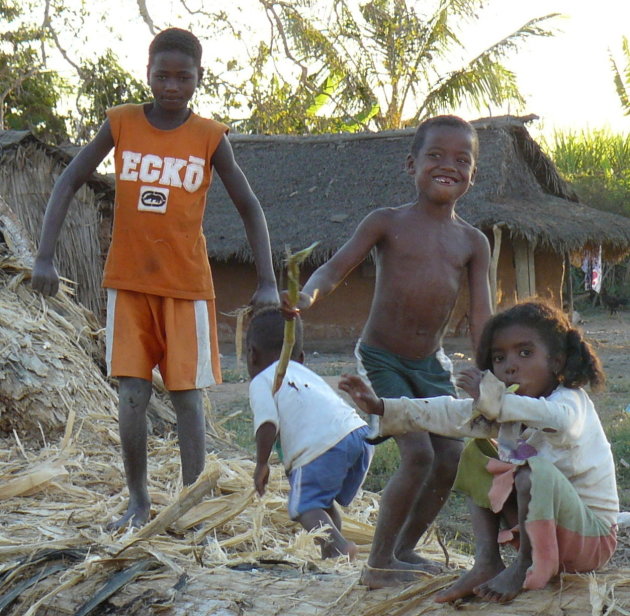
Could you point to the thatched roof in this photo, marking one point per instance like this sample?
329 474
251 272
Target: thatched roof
28 170
12 139
319 188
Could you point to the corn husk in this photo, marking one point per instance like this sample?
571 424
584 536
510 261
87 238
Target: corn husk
293 291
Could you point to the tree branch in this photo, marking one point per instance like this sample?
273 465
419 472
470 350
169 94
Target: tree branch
144 13
62 51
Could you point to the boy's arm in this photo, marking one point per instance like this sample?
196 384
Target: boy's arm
479 286
45 278
326 278
265 438
253 218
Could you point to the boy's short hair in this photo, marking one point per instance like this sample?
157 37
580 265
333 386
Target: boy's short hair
176 39
266 332
451 121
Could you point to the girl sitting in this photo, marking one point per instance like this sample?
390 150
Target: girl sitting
548 478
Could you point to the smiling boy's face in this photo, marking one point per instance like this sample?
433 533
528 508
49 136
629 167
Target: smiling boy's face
445 165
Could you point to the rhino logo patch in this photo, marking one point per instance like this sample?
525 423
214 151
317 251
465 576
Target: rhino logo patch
153 199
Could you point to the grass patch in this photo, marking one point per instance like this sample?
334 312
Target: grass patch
240 426
235 376
385 462
619 436
453 523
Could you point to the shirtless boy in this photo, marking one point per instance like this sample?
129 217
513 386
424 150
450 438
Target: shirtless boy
423 249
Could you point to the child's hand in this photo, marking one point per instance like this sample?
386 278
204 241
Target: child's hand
288 311
468 380
362 394
45 278
261 477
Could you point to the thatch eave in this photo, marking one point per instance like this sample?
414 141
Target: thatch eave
318 188
101 184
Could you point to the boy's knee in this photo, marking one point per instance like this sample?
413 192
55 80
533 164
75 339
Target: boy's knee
134 392
186 400
447 454
419 460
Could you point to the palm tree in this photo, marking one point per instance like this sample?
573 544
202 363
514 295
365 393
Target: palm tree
391 64
622 76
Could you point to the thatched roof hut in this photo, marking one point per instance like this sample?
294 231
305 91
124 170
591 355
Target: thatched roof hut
318 188
28 170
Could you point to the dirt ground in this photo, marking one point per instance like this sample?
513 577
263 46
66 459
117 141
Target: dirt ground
185 578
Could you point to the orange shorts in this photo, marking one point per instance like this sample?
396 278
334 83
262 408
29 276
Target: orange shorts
178 335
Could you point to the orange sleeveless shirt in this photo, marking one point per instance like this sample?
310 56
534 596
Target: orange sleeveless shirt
162 177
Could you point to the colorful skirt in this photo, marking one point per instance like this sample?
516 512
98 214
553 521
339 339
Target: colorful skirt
564 533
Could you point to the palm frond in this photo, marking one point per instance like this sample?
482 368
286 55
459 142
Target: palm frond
621 77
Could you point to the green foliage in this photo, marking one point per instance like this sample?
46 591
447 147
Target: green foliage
29 93
619 437
597 163
104 83
386 64
621 76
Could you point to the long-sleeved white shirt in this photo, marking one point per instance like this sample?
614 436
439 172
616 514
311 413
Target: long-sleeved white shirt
563 428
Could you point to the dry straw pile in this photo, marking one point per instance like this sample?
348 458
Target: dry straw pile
212 548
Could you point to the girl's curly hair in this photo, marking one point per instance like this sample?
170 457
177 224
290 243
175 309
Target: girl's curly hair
582 365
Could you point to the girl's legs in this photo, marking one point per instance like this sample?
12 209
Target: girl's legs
488 562
507 584
133 399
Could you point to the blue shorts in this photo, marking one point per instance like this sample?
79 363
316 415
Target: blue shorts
336 475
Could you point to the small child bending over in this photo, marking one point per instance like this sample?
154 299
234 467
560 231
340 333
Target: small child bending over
322 438
549 478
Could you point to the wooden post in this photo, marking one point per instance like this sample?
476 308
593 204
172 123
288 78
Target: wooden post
494 264
568 284
525 269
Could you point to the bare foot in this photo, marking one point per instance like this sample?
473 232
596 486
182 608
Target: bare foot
506 585
418 563
467 584
135 516
395 574
333 549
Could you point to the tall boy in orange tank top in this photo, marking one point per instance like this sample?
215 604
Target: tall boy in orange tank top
160 303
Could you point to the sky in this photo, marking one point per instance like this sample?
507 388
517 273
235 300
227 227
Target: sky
566 79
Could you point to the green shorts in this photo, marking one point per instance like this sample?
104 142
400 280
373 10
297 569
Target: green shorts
394 376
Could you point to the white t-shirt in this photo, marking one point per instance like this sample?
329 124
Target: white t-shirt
310 416
563 428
